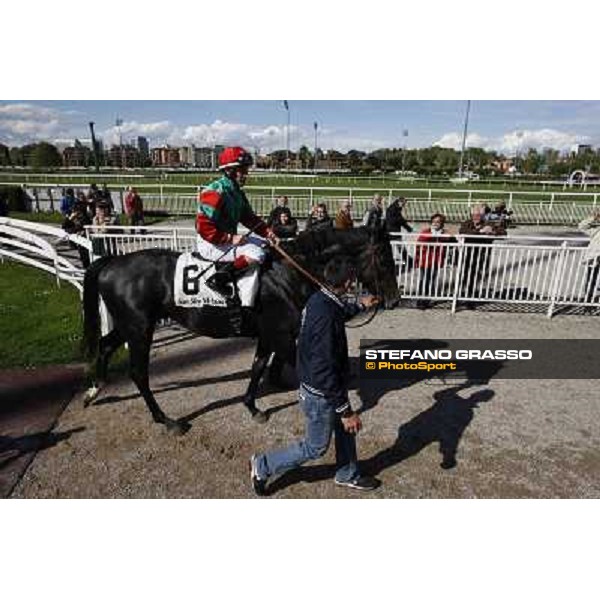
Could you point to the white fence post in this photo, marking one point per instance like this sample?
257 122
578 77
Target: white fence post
557 278
459 272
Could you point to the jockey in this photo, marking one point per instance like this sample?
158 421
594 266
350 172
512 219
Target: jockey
222 205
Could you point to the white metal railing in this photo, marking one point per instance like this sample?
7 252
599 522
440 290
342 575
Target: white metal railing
530 207
545 271
22 241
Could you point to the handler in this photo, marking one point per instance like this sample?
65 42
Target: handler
323 370
222 205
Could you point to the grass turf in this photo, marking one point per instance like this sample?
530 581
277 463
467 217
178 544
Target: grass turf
40 323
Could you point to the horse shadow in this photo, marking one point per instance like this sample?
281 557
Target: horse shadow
180 385
186 420
13 448
444 423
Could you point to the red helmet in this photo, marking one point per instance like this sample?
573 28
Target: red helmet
234 156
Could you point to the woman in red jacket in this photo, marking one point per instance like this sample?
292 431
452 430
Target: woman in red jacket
430 257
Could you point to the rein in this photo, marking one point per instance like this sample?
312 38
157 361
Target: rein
320 284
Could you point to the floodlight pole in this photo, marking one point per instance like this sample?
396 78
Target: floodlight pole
287 137
315 161
464 140
94 147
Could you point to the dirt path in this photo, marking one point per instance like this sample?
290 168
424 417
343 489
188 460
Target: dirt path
515 438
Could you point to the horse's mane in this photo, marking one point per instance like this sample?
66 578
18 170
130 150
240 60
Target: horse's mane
316 244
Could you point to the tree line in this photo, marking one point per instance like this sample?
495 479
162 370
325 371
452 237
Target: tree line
432 161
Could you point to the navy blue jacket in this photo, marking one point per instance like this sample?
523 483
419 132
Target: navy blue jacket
323 365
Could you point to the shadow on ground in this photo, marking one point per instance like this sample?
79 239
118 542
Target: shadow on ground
443 423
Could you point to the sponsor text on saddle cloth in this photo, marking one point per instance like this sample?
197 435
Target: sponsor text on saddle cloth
191 290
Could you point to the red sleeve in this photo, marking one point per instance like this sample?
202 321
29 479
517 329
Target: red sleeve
205 226
208 230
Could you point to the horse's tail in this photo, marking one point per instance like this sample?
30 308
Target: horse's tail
91 309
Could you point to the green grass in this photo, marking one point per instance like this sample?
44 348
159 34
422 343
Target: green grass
41 217
40 323
170 181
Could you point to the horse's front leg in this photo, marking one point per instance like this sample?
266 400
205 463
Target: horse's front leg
261 358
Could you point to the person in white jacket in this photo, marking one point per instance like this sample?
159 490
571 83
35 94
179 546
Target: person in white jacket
591 256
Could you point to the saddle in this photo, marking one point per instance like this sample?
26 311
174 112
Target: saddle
225 295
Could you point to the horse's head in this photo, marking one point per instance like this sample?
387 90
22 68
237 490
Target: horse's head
376 269
368 249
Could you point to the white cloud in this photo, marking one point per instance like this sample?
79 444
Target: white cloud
21 123
30 112
512 141
130 129
267 138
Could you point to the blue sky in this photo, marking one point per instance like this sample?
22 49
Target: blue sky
364 125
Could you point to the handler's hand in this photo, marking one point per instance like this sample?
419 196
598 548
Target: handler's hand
352 424
237 240
273 238
369 301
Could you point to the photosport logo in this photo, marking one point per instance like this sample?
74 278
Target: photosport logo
479 359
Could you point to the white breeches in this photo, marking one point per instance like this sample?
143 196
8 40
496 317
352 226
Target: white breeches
252 249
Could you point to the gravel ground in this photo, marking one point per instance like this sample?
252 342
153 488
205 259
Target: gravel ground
518 439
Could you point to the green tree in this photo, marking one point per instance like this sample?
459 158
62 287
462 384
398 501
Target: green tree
355 159
305 156
17 156
45 155
4 156
532 161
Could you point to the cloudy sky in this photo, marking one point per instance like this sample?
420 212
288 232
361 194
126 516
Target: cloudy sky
343 125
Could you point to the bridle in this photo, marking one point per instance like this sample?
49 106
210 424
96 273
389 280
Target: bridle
326 289
377 293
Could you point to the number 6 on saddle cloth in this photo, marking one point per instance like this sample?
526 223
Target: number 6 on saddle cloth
191 290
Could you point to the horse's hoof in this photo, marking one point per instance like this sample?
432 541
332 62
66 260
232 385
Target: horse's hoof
177 427
260 417
90 396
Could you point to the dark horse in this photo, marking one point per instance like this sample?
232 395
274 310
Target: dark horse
137 289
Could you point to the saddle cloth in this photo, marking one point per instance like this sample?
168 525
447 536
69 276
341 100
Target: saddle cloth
191 291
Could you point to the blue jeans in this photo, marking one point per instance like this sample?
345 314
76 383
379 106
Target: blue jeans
321 422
